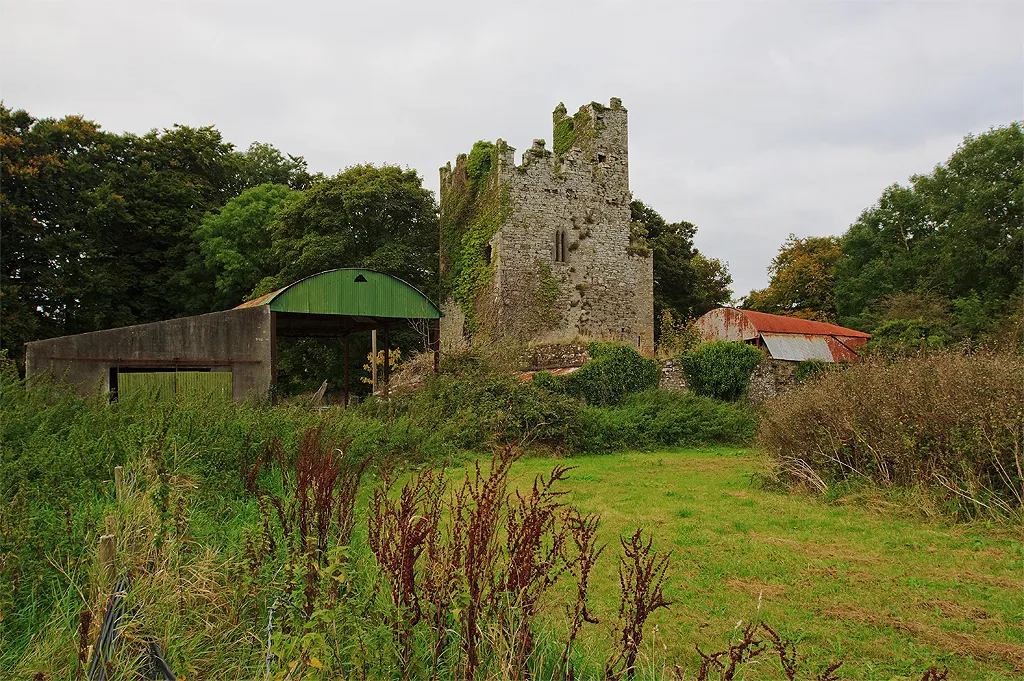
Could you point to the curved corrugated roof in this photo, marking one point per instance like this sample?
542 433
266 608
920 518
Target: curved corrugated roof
351 292
773 323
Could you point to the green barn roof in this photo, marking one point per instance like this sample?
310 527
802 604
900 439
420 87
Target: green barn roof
350 292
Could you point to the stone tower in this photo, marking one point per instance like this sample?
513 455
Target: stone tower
542 252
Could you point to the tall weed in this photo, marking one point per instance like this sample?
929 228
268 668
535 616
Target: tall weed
948 421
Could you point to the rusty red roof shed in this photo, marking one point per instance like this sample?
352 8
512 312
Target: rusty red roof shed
786 338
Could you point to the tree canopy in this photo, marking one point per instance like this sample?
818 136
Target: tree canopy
936 261
236 241
686 282
380 218
802 280
956 233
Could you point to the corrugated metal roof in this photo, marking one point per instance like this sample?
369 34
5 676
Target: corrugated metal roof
773 323
797 348
787 338
350 292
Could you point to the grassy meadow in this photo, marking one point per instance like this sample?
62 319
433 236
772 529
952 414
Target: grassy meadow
858 581
888 594
241 516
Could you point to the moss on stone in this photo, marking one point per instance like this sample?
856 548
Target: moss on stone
572 130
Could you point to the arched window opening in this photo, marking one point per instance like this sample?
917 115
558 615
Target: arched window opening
560 250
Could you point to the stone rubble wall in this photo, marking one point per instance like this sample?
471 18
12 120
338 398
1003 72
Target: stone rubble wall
555 356
770 378
672 376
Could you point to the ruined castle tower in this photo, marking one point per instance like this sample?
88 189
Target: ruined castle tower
542 252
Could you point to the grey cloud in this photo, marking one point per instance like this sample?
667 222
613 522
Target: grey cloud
752 120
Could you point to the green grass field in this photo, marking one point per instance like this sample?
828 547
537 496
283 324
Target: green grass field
889 595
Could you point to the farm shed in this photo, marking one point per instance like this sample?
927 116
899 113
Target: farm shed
784 338
233 352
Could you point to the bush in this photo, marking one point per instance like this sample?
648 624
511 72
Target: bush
721 369
660 418
614 371
477 412
949 422
810 369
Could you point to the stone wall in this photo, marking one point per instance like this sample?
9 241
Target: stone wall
564 265
672 376
771 377
555 356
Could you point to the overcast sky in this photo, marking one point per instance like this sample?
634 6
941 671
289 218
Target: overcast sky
750 119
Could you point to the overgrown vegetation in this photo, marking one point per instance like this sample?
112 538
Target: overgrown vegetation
660 418
613 372
473 206
947 422
570 131
721 369
257 511
676 337
436 575
57 451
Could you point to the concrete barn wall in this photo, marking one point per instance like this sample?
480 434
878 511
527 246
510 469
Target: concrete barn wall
241 340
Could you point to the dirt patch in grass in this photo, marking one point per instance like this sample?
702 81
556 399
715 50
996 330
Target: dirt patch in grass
848 576
954 642
832 550
756 588
990 580
955 610
768 539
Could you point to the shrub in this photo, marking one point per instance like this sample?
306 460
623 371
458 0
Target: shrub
946 421
809 369
476 412
721 369
614 371
908 336
660 418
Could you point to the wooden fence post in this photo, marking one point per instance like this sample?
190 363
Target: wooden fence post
119 483
108 559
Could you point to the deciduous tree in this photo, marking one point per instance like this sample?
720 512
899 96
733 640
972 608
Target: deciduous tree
957 233
236 241
802 280
375 217
686 283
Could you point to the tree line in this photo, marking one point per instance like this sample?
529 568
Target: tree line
936 262
102 229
